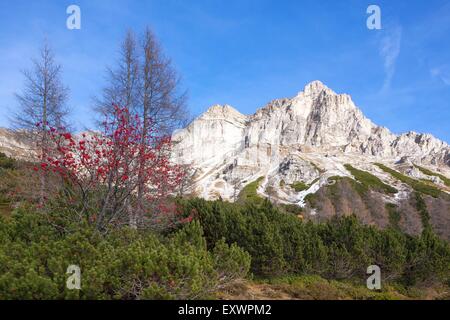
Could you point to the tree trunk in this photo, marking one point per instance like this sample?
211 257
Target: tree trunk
43 177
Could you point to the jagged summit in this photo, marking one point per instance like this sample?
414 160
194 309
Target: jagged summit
217 108
315 88
218 111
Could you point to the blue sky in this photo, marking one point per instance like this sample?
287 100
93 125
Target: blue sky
248 52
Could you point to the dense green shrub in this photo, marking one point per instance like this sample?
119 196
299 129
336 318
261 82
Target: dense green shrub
394 216
262 239
421 206
124 264
222 243
282 244
7 182
6 162
427 259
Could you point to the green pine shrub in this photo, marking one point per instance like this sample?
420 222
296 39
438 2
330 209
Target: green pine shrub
6 162
124 264
281 244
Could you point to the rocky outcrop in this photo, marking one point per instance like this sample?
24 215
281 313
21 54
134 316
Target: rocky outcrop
16 144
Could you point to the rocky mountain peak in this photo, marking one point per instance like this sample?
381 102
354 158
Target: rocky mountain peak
220 112
304 138
315 88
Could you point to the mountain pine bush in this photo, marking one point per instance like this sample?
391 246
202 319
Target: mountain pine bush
6 162
342 248
123 264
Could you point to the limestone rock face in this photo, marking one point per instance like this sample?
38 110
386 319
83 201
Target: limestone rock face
214 135
308 137
16 144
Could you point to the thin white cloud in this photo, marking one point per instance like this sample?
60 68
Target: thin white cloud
390 50
442 73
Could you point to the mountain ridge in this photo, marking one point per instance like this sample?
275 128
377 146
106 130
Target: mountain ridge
308 141
324 96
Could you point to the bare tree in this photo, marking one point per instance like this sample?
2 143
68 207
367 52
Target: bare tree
146 83
161 100
122 88
162 104
42 104
123 81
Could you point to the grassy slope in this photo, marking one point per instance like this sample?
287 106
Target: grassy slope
318 288
417 185
431 173
249 193
299 186
369 180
